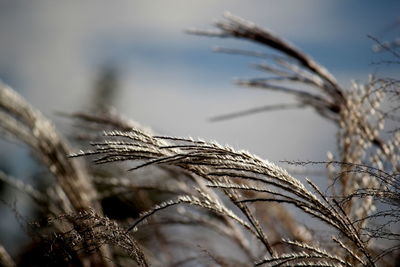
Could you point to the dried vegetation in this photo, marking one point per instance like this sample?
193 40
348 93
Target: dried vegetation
187 202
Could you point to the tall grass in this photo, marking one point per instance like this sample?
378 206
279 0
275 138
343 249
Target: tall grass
192 202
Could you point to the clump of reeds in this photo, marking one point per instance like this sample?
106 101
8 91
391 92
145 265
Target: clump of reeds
228 207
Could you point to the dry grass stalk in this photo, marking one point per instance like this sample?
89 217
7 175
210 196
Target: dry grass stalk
5 258
216 163
21 121
224 190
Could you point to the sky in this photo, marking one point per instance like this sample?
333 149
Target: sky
52 52
173 82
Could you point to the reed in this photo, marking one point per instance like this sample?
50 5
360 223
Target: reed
186 201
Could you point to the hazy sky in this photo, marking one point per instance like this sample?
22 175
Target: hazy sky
51 52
